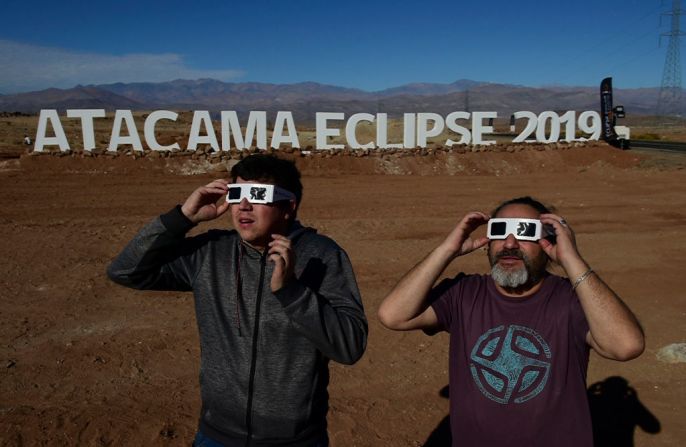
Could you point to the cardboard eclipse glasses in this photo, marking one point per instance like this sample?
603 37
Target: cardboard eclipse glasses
257 193
521 229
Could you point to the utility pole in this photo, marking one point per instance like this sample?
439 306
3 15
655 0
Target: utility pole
670 100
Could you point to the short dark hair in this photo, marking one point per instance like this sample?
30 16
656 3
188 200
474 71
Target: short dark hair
270 169
526 200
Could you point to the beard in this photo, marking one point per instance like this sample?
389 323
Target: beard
509 279
530 273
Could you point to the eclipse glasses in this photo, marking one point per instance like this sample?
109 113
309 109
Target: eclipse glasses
257 193
521 229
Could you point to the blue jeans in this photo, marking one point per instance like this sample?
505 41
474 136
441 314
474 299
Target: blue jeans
203 441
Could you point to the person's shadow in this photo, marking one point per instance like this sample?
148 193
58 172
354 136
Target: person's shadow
616 412
441 436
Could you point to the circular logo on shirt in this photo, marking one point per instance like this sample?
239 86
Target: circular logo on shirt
510 364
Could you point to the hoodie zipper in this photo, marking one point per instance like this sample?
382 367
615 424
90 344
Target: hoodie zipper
253 360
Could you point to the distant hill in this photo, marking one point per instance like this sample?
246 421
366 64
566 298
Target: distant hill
78 97
427 89
306 98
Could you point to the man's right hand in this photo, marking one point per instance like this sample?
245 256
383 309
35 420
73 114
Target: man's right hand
202 205
459 242
406 307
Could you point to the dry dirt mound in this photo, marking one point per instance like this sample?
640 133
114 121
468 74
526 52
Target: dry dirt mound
494 160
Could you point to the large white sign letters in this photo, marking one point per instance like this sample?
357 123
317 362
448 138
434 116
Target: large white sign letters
461 128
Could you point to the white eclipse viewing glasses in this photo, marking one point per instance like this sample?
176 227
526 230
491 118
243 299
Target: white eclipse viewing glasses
257 193
521 229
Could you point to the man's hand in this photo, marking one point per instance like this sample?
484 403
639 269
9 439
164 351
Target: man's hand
281 254
202 205
564 251
459 242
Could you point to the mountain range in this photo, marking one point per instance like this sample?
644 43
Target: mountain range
306 98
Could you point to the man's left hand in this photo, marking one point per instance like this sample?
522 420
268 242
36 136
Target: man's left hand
281 254
563 251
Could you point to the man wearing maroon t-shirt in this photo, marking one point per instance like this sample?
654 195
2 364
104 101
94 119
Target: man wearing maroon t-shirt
519 337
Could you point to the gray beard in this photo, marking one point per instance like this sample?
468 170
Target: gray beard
509 279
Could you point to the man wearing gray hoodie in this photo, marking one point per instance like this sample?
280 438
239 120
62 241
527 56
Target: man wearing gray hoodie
274 302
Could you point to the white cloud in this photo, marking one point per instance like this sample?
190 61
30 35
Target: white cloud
25 67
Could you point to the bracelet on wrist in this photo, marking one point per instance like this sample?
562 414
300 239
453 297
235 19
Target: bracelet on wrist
582 278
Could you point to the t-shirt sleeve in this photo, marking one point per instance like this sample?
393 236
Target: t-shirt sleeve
579 322
443 300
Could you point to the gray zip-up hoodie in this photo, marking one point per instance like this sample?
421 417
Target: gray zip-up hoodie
264 356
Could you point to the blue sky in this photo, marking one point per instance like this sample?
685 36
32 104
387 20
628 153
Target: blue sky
370 45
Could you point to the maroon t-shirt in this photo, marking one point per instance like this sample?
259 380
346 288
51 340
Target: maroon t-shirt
517 365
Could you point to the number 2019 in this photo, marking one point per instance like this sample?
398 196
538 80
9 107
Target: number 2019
548 125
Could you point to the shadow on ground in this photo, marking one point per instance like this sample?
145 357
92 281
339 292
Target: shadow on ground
441 436
616 411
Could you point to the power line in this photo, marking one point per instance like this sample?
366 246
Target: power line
614 44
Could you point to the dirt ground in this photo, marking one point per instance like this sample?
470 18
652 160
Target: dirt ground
86 362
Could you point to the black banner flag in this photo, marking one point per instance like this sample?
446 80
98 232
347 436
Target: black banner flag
606 113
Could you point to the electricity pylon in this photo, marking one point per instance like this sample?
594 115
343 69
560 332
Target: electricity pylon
671 96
